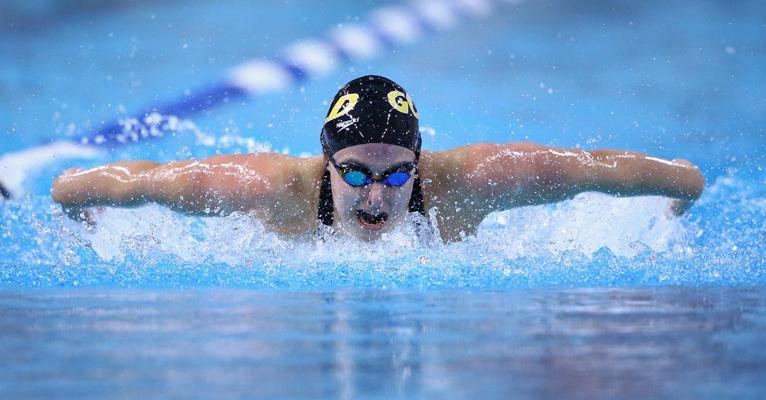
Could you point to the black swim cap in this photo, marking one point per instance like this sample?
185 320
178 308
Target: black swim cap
371 109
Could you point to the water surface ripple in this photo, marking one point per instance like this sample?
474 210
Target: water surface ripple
585 343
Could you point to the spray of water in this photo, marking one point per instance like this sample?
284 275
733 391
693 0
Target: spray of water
591 240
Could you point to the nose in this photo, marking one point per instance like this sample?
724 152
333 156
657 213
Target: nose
375 195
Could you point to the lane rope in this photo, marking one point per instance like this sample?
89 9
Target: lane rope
385 28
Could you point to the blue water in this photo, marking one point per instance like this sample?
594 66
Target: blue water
591 298
581 343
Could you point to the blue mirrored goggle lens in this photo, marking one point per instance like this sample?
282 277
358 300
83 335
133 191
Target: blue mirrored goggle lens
398 178
355 178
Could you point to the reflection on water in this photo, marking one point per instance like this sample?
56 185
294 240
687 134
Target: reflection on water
587 343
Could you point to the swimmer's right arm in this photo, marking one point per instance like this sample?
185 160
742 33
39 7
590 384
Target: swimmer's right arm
215 186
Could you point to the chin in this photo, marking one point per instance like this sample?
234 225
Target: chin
369 235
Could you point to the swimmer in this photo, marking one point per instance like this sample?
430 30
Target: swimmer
373 172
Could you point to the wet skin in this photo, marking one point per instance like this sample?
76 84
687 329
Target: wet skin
462 185
353 205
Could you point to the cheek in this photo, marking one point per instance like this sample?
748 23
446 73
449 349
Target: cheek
345 200
343 196
400 198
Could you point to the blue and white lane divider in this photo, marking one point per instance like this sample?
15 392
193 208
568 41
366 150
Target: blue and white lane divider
385 28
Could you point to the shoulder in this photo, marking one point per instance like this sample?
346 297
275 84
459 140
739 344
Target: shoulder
471 180
282 191
477 153
288 176
470 164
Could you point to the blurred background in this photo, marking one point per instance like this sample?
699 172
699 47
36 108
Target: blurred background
675 79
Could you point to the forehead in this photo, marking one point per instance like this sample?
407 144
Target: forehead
375 155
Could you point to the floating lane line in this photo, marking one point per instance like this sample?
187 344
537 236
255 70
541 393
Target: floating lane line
386 27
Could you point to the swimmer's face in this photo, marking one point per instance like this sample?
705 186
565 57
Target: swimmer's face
368 211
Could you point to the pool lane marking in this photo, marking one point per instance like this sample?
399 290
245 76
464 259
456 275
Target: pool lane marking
386 27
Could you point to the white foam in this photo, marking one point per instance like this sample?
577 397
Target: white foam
589 222
238 239
585 224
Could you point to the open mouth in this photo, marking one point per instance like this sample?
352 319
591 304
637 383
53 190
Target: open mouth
371 221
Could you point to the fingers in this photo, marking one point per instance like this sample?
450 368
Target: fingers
4 193
80 215
680 206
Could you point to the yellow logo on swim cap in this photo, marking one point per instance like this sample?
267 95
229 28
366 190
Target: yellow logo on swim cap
402 103
344 104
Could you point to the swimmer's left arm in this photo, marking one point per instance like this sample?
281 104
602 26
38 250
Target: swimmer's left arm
513 175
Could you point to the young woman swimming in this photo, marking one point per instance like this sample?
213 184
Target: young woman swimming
372 173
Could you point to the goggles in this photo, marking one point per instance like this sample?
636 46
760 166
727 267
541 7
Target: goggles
356 175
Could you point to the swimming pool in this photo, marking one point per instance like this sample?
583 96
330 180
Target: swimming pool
594 297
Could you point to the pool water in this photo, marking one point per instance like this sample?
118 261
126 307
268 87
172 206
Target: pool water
580 343
595 297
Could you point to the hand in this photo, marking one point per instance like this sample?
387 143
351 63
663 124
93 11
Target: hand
679 206
79 214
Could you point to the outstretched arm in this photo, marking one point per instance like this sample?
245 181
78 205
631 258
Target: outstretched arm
215 186
505 176
118 184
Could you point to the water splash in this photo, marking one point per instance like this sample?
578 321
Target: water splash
592 240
